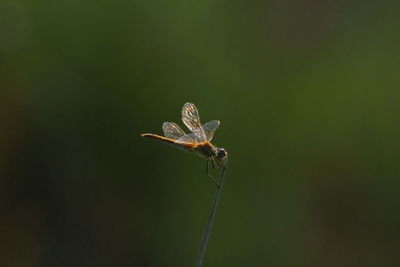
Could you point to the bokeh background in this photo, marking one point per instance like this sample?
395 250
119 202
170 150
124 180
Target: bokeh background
308 97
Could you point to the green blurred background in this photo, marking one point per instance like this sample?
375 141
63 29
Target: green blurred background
307 93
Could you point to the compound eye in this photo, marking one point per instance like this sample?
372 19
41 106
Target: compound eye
221 153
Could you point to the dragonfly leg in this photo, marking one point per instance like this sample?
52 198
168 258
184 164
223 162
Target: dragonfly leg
213 164
208 173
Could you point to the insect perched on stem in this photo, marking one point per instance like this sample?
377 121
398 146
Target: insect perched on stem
198 141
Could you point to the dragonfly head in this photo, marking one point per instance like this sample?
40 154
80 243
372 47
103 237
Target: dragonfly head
220 157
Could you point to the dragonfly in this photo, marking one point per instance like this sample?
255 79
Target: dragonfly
198 141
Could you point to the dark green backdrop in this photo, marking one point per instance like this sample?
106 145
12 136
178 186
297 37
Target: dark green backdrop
307 93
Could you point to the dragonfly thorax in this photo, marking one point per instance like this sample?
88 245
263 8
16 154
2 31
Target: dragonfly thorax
216 154
205 149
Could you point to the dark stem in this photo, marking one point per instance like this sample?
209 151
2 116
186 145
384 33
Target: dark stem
211 215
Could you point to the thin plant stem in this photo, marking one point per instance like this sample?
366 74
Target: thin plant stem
211 215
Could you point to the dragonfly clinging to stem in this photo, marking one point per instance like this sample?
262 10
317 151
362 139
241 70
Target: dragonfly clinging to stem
198 141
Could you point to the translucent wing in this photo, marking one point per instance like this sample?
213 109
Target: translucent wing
189 138
209 129
191 118
172 130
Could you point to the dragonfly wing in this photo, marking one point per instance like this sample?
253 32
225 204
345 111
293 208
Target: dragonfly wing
172 130
188 138
209 129
191 118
